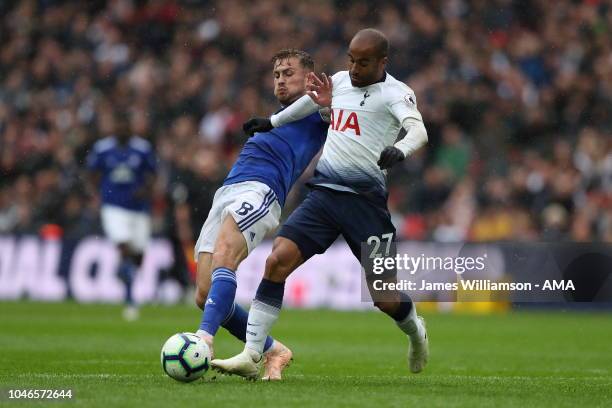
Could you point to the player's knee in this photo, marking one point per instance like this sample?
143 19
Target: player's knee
276 270
225 255
283 260
272 265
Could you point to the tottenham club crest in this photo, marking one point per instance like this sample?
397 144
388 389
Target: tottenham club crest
365 95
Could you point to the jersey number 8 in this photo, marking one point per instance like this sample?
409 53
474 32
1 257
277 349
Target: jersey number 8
244 209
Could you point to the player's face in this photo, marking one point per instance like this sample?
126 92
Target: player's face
289 80
365 66
122 130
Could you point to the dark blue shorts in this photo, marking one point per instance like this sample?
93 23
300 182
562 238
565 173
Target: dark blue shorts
325 214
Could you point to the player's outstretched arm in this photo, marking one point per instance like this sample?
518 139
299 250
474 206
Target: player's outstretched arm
254 125
299 109
318 94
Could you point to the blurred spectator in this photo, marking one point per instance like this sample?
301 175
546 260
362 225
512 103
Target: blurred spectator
454 153
516 96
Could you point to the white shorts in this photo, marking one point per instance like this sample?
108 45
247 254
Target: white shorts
254 207
123 226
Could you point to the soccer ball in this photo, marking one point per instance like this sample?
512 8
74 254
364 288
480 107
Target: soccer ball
185 357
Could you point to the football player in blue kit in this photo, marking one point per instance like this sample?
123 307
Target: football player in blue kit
349 196
248 206
124 167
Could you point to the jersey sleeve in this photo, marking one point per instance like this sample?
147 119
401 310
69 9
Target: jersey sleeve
402 103
299 109
325 114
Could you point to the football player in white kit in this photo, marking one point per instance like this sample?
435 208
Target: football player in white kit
248 206
349 195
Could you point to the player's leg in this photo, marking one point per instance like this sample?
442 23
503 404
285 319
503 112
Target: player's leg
284 259
230 249
203 273
364 222
205 245
236 322
139 224
116 223
217 264
308 231
400 307
127 274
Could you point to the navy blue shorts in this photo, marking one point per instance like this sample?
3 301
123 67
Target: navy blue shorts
325 214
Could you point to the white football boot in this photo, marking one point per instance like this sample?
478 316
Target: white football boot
246 364
418 351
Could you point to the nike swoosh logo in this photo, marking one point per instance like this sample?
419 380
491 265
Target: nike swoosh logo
254 325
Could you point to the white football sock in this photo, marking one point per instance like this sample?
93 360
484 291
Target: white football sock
412 326
261 319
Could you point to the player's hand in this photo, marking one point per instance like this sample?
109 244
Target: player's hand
257 125
319 89
389 157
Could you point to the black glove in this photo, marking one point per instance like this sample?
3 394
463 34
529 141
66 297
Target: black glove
257 125
389 157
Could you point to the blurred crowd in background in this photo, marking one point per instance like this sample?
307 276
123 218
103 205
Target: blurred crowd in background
516 96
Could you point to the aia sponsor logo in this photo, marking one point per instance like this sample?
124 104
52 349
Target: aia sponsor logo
344 121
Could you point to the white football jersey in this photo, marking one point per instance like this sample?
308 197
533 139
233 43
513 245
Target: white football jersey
363 122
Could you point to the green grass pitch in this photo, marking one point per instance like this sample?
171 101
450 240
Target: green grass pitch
342 359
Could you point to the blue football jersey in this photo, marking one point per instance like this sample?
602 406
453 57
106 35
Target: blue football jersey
123 169
277 158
